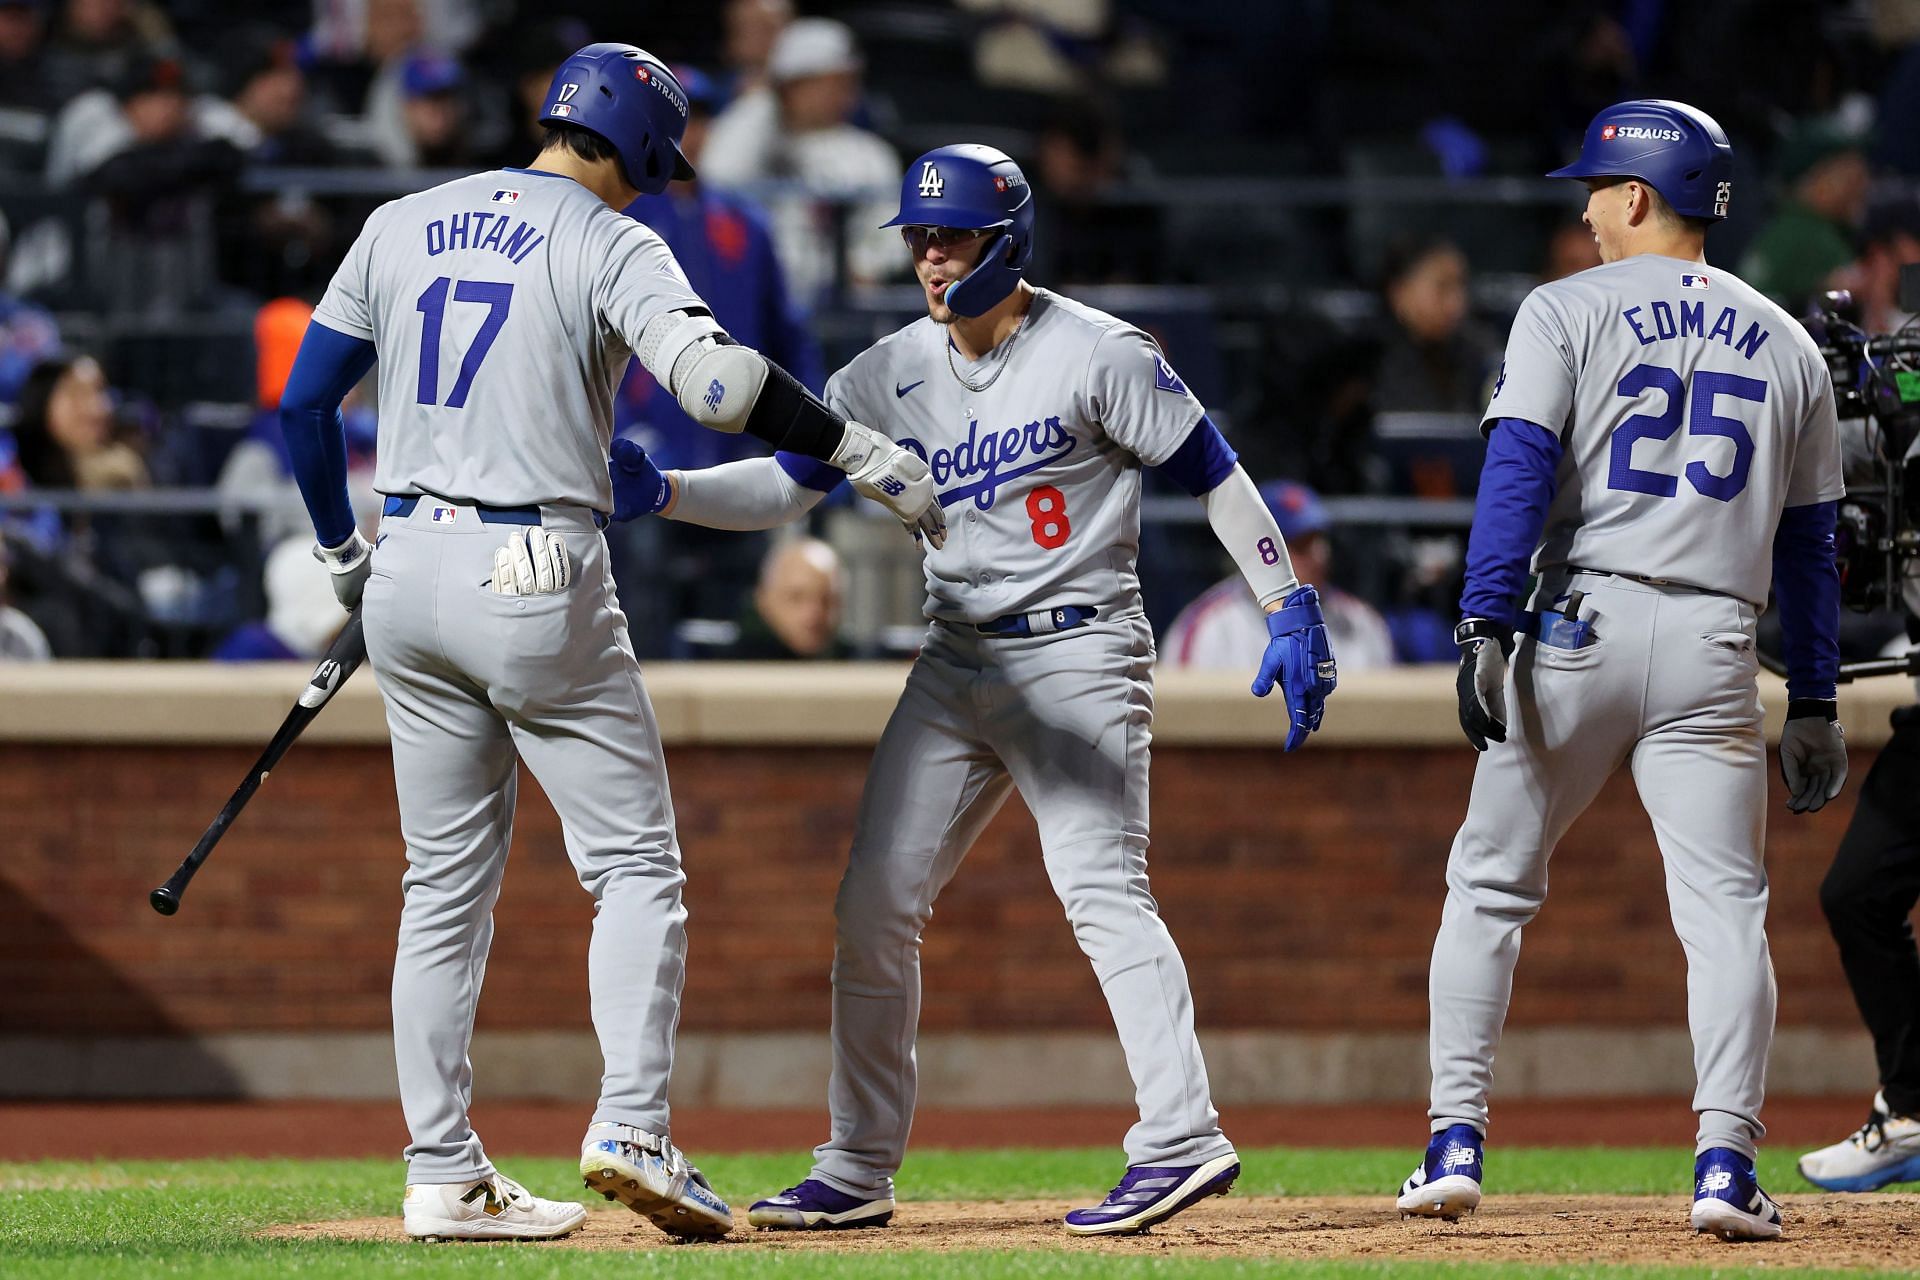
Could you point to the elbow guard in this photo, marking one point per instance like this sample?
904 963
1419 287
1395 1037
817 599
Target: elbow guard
727 387
715 379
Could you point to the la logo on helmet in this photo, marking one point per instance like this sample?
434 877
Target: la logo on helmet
931 184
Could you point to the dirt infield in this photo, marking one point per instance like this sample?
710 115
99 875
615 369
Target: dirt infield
1867 1232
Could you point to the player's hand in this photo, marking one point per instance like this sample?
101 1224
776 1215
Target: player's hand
1485 646
638 487
1813 755
1298 656
533 563
349 563
894 478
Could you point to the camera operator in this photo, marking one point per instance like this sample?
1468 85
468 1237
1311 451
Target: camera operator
1870 892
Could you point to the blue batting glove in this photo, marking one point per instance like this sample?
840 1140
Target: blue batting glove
1300 659
638 487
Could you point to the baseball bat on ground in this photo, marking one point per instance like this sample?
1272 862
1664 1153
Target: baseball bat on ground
349 649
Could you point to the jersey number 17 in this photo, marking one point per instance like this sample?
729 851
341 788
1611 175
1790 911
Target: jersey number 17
432 304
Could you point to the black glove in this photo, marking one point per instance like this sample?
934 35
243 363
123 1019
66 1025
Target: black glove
1485 646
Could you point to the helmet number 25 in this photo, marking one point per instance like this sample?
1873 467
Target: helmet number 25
1047 508
1703 420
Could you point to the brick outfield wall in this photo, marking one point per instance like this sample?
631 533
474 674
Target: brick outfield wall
1304 892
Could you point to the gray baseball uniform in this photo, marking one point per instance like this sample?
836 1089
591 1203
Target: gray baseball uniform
503 307
1691 411
1038 466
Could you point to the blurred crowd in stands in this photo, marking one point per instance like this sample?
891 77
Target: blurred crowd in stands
1326 212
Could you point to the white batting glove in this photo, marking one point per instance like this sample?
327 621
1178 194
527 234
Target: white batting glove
894 478
1813 758
533 563
349 563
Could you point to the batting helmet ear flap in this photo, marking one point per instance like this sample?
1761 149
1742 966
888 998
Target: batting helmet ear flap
992 278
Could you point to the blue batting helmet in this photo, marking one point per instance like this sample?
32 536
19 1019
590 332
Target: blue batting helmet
628 97
975 187
1676 149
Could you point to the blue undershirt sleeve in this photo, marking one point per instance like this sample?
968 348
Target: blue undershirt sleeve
810 473
1806 587
1202 461
1517 485
325 370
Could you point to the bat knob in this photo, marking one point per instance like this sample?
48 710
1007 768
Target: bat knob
164 900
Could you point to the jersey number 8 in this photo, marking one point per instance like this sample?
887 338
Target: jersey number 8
1047 508
1707 387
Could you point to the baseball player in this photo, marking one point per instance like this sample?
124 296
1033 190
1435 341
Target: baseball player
1658 433
1036 415
503 308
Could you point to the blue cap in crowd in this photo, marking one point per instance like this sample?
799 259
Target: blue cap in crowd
700 87
430 73
1296 509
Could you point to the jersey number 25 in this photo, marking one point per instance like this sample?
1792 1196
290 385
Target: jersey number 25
1703 421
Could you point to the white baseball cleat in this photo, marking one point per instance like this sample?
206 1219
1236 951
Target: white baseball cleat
491 1208
1885 1149
650 1176
1447 1183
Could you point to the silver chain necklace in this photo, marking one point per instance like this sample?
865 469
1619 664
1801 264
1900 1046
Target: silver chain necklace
1006 356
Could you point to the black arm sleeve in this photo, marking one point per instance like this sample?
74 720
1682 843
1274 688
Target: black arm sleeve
788 416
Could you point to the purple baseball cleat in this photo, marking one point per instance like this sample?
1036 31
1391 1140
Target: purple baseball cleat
815 1206
1153 1193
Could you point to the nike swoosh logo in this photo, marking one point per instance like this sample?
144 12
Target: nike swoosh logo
900 392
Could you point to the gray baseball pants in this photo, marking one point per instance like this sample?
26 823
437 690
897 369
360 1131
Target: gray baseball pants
1067 719
474 683
1669 688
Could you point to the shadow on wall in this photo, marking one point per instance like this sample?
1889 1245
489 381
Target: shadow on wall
55 992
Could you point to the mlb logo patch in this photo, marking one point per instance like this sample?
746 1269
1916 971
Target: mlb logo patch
562 109
506 197
1165 378
445 515
1693 282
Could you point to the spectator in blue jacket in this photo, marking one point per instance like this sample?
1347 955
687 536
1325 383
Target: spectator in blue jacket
723 243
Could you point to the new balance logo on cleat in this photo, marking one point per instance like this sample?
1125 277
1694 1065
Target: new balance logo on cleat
1718 1180
1459 1158
493 1207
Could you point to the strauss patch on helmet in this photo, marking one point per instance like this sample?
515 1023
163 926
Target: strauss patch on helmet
1640 132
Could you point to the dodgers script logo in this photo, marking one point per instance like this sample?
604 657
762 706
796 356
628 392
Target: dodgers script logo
995 457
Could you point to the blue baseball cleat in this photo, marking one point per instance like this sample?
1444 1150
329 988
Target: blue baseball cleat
1154 1193
1727 1199
1447 1183
815 1206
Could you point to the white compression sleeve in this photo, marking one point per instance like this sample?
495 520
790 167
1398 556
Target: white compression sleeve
1246 529
754 493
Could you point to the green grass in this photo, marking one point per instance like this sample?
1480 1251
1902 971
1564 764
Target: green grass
198 1218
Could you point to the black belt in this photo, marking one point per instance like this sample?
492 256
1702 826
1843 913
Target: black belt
1041 622
403 505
